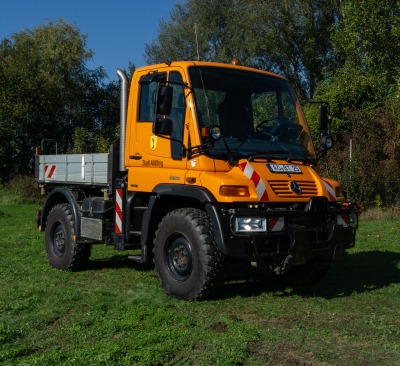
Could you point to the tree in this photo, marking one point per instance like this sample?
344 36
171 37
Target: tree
290 37
363 92
46 91
366 49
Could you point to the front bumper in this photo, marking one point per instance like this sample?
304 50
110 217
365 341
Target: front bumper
285 237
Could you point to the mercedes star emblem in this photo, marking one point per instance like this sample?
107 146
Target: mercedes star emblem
295 187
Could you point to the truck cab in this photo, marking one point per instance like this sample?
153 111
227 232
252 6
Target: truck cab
215 161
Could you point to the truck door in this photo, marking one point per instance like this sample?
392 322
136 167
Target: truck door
158 155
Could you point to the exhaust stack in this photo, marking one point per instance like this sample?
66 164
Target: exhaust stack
123 111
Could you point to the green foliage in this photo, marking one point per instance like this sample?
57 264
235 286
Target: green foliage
375 167
288 37
292 39
347 91
367 36
89 142
115 313
378 200
46 91
20 190
362 89
366 50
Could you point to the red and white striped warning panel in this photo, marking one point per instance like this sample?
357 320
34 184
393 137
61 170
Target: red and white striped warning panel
118 211
331 191
50 171
343 220
277 224
250 173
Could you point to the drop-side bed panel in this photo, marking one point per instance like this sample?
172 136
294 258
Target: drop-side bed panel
81 169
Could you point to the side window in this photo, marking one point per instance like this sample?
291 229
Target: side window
147 99
177 114
147 96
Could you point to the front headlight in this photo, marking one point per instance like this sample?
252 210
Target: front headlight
250 224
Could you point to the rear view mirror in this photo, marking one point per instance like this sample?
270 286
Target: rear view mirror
323 117
162 126
164 99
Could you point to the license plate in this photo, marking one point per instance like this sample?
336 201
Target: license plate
284 168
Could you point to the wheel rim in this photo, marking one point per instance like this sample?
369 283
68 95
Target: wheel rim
58 239
178 257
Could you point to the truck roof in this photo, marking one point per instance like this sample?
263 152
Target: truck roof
185 64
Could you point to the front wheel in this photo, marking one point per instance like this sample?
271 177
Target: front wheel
187 260
62 250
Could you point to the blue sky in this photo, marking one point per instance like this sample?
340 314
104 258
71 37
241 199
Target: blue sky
116 30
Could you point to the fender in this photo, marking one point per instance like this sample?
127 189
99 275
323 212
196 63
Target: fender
208 203
201 195
57 196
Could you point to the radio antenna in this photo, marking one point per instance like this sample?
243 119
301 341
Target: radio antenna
197 42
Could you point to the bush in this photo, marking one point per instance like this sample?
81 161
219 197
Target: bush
372 177
20 190
377 213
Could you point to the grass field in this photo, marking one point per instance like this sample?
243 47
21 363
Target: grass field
115 313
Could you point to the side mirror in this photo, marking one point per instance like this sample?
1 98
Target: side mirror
162 126
323 117
164 99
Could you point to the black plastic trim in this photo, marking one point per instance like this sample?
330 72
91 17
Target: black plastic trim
201 194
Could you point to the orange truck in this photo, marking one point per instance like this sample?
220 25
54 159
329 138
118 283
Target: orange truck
213 161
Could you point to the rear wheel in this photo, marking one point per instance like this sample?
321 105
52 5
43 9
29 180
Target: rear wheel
187 260
62 250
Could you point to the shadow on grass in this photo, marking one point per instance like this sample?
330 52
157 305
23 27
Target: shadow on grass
357 273
117 262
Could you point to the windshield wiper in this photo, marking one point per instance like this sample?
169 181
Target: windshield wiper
231 159
206 149
197 150
265 154
306 157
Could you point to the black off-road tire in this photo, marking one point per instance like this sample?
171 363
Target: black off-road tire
62 250
187 260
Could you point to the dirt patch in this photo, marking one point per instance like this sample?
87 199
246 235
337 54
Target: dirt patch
286 354
218 327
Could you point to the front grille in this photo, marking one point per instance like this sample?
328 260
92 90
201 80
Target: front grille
282 189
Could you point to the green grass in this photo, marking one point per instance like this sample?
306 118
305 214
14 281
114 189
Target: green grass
115 313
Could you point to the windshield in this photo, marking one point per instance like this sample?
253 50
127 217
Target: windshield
256 113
